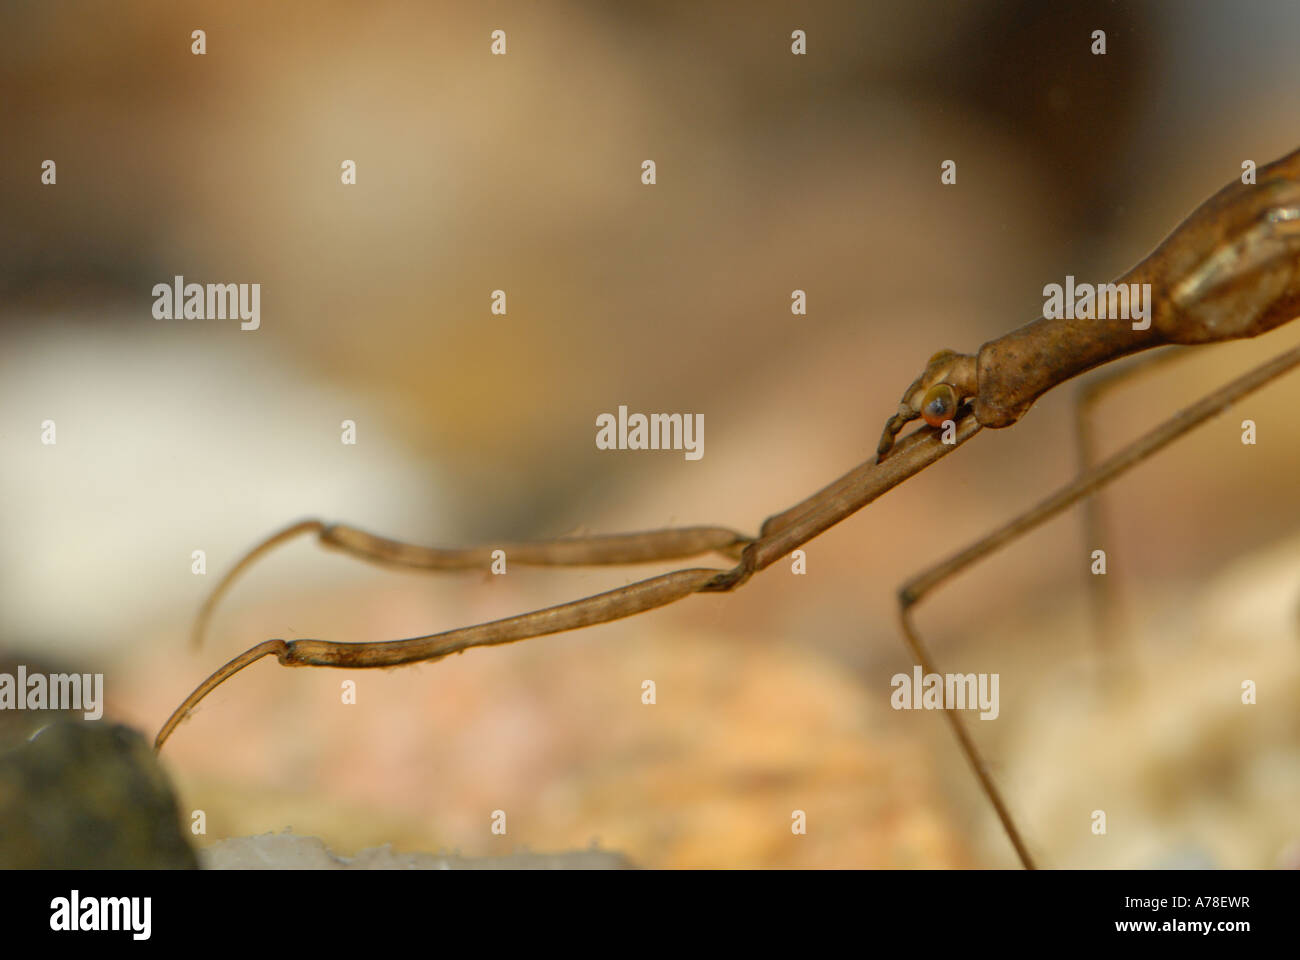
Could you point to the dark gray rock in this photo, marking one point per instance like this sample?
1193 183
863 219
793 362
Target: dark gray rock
88 796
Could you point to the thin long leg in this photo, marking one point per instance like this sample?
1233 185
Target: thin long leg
622 548
1089 481
1102 601
782 533
601 608
968 748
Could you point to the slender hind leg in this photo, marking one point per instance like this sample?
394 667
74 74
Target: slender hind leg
781 534
620 548
1087 482
601 608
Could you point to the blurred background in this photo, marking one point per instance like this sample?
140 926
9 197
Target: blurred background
523 173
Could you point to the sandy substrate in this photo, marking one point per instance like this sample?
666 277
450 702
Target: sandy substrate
288 851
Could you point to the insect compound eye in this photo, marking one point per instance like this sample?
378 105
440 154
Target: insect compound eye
940 404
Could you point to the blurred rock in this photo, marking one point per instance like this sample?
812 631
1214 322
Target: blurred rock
88 796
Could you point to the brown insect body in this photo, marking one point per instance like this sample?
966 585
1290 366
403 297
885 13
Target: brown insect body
1231 270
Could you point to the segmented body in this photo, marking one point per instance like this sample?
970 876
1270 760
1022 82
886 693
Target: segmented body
1231 270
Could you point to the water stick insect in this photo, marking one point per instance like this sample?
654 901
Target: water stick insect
1231 270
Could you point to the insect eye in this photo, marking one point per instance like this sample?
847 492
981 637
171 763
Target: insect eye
940 404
